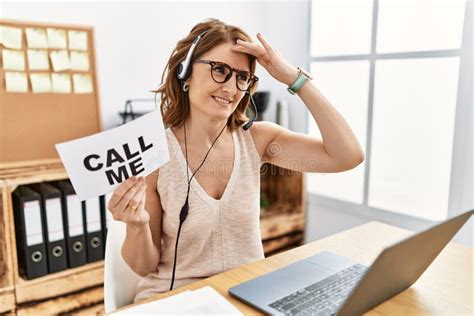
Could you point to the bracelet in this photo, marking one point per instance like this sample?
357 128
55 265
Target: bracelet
303 76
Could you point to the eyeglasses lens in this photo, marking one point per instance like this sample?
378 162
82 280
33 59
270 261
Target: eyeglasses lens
222 73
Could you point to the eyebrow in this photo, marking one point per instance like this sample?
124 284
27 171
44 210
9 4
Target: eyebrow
221 62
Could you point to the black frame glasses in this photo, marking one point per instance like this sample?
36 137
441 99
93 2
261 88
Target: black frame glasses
252 78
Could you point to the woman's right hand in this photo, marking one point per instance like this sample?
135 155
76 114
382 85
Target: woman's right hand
130 195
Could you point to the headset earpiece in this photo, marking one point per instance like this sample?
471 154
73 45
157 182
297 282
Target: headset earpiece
184 69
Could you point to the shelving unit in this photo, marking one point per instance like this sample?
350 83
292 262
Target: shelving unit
51 294
80 290
7 290
282 222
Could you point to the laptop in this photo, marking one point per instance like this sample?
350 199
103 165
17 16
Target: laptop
330 284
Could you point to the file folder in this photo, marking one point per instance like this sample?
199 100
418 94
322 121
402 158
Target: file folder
108 218
73 224
91 209
53 225
30 244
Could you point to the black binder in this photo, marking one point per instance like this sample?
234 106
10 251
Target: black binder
92 215
107 217
73 224
30 244
53 226
103 220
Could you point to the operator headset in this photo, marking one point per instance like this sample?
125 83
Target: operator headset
183 72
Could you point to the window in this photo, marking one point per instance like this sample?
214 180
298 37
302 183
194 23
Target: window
391 69
351 77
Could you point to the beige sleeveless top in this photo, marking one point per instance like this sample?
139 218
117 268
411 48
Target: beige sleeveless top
217 235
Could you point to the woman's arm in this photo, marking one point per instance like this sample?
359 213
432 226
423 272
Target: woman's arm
340 142
139 251
142 246
339 149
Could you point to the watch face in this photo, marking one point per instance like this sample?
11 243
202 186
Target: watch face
306 73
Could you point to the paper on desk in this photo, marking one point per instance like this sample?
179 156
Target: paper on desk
97 164
160 306
203 301
209 301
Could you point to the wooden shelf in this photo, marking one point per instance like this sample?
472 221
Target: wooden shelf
33 175
31 167
98 309
282 222
7 289
60 283
273 246
65 304
30 290
7 299
53 293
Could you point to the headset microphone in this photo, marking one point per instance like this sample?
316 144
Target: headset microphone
247 125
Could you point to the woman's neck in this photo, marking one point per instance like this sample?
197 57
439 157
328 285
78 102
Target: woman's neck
203 132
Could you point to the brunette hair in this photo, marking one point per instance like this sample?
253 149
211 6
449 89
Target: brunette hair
175 103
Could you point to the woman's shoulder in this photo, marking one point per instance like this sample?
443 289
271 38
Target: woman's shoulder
263 133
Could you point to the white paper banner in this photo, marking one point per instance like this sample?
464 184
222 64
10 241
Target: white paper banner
97 164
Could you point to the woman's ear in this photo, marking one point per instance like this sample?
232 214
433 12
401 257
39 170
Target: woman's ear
185 87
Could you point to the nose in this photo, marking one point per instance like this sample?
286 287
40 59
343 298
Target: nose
231 85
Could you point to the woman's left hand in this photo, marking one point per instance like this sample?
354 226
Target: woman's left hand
269 58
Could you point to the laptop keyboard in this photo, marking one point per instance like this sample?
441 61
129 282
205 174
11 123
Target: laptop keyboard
323 297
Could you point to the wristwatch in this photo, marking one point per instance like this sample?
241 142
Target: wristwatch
303 76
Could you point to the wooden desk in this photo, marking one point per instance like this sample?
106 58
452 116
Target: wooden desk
444 288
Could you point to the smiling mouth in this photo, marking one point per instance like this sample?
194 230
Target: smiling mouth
221 101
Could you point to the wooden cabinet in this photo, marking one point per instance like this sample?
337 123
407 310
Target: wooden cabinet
51 294
80 290
7 293
282 222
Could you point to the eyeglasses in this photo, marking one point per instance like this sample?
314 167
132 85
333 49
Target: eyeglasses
221 72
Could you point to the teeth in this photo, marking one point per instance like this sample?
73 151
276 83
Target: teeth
221 100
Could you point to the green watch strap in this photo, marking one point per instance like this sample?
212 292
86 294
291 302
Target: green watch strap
298 83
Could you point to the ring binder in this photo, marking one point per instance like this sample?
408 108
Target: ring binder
73 224
53 226
106 217
92 214
30 244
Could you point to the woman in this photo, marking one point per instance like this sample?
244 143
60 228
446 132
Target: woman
204 109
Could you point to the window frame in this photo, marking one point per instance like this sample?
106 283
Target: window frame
364 209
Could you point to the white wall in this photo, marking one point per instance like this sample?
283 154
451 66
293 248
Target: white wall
134 41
